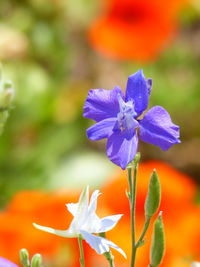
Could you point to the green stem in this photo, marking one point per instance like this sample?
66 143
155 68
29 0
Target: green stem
108 255
132 200
82 261
145 228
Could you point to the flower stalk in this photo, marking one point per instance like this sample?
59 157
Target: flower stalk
80 243
132 178
108 255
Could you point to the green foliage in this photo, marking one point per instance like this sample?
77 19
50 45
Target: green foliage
153 197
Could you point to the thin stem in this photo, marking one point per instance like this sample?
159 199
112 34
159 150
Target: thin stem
108 255
145 228
82 261
132 200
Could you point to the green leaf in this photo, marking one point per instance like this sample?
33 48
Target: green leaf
153 197
158 243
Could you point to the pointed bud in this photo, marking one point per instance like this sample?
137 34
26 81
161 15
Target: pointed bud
24 257
36 261
153 197
6 95
137 158
158 243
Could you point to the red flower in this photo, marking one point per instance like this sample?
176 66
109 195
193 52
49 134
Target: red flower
135 29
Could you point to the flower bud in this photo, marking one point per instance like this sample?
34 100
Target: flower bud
24 257
6 95
153 197
36 261
158 243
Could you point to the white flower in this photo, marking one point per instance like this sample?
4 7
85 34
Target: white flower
195 264
86 223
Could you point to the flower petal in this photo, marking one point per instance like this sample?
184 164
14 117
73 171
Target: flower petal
80 210
63 233
102 104
6 263
93 202
101 129
72 208
108 222
121 148
138 89
91 222
100 244
157 128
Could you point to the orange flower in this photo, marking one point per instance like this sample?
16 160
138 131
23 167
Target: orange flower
135 29
17 231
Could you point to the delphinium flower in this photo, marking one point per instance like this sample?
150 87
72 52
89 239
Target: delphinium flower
86 223
119 118
6 263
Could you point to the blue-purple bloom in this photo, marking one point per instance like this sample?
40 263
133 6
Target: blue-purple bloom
6 263
118 118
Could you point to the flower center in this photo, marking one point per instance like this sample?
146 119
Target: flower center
126 115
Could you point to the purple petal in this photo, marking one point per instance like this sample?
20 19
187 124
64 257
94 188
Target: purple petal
138 89
157 128
102 104
6 263
121 148
101 129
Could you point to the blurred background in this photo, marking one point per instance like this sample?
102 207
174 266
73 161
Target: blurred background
54 51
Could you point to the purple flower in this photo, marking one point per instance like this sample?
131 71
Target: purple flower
119 120
6 263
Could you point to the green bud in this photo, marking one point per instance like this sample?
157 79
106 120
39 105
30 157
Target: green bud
153 197
6 96
36 261
158 243
24 257
137 158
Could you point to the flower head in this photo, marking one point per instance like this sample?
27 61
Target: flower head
125 28
86 223
118 119
6 263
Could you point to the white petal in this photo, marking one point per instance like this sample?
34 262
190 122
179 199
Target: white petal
79 209
63 233
108 222
93 202
195 264
100 244
84 197
72 208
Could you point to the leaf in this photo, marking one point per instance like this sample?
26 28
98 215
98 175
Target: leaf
158 243
154 195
